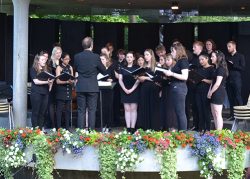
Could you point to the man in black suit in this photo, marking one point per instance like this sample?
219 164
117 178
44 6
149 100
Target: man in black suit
87 65
236 64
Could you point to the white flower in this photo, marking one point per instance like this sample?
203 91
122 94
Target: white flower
54 129
68 150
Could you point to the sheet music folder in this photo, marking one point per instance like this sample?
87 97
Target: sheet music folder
44 76
65 77
101 77
136 72
195 77
160 71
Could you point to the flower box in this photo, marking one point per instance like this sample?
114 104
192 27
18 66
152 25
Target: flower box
88 161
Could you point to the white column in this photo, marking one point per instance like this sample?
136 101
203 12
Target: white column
20 61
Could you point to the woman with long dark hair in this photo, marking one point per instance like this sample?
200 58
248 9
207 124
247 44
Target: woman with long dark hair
129 92
206 70
217 91
63 91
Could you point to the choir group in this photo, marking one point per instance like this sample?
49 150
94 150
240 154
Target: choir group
159 92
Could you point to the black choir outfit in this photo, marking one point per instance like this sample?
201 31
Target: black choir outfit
108 99
117 93
194 64
178 92
149 105
203 104
129 82
234 82
219 95
52 100
169 116
63 99
39 100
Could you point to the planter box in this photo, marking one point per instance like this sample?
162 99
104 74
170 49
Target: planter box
88 161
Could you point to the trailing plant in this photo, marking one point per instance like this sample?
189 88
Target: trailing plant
235 158
235 148
44 157
4 171
167 158
107 160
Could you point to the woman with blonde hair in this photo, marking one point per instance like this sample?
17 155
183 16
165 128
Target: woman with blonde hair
149 103
53 63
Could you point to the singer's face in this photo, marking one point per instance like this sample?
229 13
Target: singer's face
46 56
104 60
169 62
203 60
173 52
162 60
209 46
147 56
214 58
66 60
230 47
42 61
140 61
129 58
58 54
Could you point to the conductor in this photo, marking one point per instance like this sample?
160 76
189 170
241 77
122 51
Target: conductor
87 64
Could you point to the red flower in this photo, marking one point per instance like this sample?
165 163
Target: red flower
23 135
38 131
87 139
183 145
59 134
129 137
57 140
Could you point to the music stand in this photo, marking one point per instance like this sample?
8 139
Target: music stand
103 87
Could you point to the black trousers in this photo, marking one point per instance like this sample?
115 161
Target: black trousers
191 106
39 103
234 93
50 121
86 100
203 109
178 96
63 105
107 107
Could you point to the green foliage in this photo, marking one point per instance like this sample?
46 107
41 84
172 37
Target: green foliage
200 19
45 157
168 162
93 18
235 157
107 158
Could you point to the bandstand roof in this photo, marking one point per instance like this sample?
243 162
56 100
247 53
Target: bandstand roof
132 7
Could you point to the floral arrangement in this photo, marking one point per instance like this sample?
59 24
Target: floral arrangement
122 150
235 145
208 149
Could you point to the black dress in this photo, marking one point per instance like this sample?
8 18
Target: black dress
218 96
203 104
149 105
63 100
129 82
